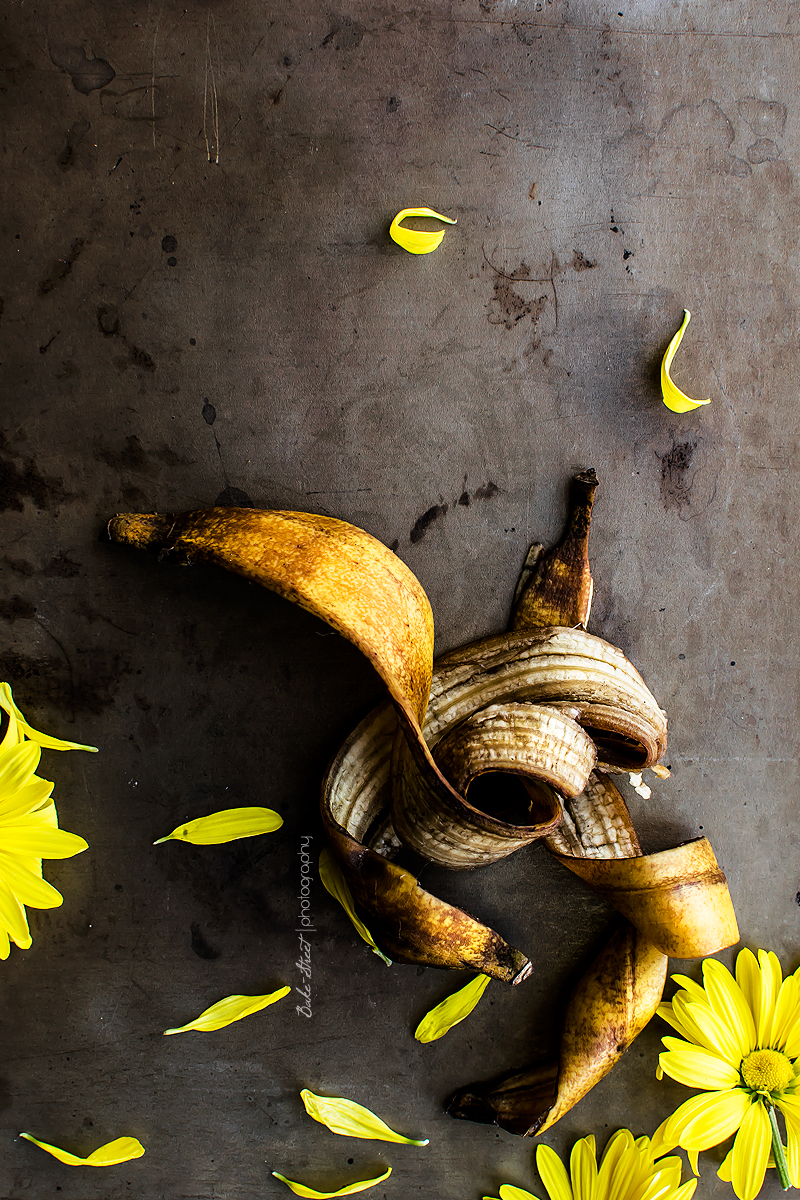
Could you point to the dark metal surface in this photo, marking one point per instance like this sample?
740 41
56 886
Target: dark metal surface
201 304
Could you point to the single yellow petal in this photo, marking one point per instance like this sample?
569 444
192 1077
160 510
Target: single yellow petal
351 1119
617 1148
724 1172
553 1174
697 1068
5 943
28 838
42 739
686 1191
667 1013
583 1169
13 918
12 735
17 766
121 1150
27 886
660 1143
508 1191
751 1150
300 1189
728 1000
674 398
748 977
335 883
785 1014
225 826
25 800
771 980
451 1011
709 1030
709 1119
231 1009
416 241
695 990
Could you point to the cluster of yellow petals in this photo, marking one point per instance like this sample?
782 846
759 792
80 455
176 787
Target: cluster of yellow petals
739 1043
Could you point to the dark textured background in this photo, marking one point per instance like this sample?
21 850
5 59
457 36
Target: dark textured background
200 303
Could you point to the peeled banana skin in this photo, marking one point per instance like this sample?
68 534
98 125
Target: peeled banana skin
547 703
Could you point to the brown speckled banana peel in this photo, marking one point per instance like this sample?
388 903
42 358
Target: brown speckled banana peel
610 1007
364 591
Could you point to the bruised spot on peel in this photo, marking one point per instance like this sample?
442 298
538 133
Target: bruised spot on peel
417 241
676 400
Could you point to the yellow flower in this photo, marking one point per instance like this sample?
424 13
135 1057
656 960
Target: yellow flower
28 825
628 1170
740 1043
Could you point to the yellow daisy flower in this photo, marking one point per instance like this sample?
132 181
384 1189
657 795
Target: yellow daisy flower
629 1170
28 825
739 1043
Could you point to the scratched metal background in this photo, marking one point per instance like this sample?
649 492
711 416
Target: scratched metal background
200 305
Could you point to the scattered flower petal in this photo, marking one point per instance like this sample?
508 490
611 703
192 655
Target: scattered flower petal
23 729
451 1011
674 398
417 241
300 1189
225 826
122 1150
335 883
351 1119
231 1009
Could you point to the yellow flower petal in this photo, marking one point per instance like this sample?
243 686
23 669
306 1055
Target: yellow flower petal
17 766
451 1011
335 883
553 1174
751 1150
300 1189
709 1030
617 1148
709 1119
785 1013
728 1000
225 826
30 838
119 1151
23 728
351 1120
416 241
790 1107
25 800
695 990
508 1191
697 1068
674 398
27 886
13 918
686 1190
583 1169
231 1009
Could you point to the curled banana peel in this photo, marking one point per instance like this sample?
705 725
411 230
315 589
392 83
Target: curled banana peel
502 742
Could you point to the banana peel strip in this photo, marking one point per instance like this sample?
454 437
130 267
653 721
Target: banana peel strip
302 1189
366 593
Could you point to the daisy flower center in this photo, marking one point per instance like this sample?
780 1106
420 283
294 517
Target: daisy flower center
767 1071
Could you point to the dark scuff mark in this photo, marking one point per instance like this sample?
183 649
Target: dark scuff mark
423 523
109 326
17 609
233 497
88 74
20 566
486 491
346 34
17 485
75 135
209 413
61 268
169 243
131 458
50 680
199 944
43 349
392 104
528 35
465 499
140 358
580 262
61 567
395 546
108 320
677 478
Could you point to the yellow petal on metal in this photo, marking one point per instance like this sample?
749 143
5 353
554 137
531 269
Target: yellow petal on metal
30 838
121 1150
300 1189
351 1120
231 1009
335 884
417 241
42 739
225 826
674 398
451 1011
509 1192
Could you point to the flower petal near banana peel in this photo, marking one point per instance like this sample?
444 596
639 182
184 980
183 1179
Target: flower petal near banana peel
552 705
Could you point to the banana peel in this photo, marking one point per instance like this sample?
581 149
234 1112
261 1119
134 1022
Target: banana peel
390 789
